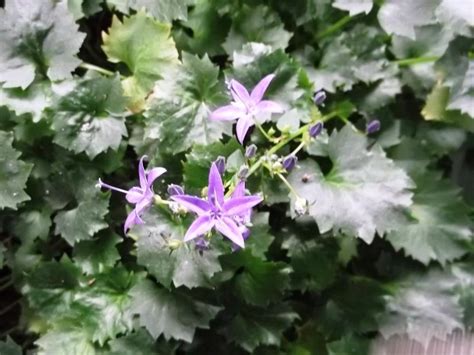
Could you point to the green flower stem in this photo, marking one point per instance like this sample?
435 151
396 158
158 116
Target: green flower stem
413 61
335 27
264 133
96 68
298 148
286 182
159 201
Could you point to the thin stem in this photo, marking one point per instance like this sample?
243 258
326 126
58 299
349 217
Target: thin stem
298 148
159 201
417 60
6 285
96 68
335 27
265 134
110 187
9 307
286 182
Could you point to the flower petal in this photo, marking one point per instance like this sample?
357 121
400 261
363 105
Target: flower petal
142 174
240 205
239 190
192 203
153 174
259 90
144 203
134 195
131 220
215 188
239 92
200 226
243 125
226 113
270 106
230 230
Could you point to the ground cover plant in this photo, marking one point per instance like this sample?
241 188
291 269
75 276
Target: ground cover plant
234 176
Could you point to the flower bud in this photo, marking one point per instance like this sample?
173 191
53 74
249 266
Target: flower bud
175 190
372 127
174 243
289 162
250 151
220 164
301 206
243 171
201 244
319 97
315 130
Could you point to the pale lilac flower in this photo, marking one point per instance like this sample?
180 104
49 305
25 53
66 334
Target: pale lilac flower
246 107
141 196
216 211
174 189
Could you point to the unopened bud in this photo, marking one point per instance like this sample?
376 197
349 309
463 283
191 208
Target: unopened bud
174 243
289 162
315 130
301 206
243 171
319 97
220 164
251 151
175 190
372 127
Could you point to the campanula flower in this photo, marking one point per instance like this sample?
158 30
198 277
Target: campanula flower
246 107
174 189
220 163
141 196
217 211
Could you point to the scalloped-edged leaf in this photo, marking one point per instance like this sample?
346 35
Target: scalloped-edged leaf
140 342
354 7
13 174
171 314
364 193
65 341
90 118
426 306
254 326
402 16
147 49
162 10
9 347
38 38
256 24
178 116
182 266
33 224
258 282
82 222
439 228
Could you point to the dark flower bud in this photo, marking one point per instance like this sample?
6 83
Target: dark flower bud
372 127
319 97
289 162
175 190
220 164
202 244
251 151
315 130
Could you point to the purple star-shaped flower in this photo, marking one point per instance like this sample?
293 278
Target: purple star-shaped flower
141 196
216 211
246 107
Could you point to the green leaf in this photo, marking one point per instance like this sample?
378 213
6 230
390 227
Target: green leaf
427 305
182 266
439 226
314 265
9 347
82 222
349 345
33 224
54 275
260 238
163 10
256 24
354 6
39 38
253 326
13 174
97 255
178 116
64 342
140 342
147 49
364 193
84 8
171 314
402 16
258 282
90 118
